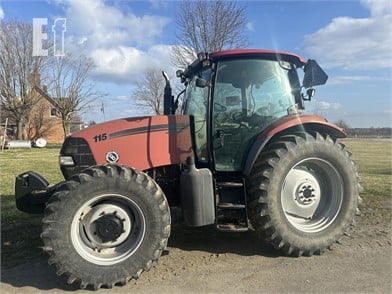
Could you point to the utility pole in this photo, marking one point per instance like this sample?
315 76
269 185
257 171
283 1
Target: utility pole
4 135
103 110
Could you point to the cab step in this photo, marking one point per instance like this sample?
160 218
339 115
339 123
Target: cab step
229 184
231 228
231 206
231 214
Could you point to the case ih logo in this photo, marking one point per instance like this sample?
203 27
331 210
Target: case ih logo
112 157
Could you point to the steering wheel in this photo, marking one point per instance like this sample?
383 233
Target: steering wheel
219 107
240 119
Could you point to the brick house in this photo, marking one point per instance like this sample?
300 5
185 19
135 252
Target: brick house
43 121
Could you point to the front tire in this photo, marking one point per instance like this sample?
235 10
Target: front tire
303 193
105 226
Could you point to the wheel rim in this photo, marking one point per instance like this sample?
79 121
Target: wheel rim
312 195
108 229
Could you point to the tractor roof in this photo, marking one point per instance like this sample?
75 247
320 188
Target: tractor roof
270 54
198 64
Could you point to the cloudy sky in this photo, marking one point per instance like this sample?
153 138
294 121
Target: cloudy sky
351 39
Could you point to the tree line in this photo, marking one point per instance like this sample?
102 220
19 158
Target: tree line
364 132
369 132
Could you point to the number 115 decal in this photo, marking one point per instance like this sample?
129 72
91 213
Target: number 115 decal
100 137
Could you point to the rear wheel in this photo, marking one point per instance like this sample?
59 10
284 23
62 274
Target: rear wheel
105 226
303 193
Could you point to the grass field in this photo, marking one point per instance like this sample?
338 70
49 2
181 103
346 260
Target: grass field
20 232
374 160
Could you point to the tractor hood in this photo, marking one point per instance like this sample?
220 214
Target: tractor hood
140 142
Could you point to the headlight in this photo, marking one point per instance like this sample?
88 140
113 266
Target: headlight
66 160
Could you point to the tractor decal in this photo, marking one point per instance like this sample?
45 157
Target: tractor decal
156 128
112 157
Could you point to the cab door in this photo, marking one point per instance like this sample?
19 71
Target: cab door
248 95
196 105
228 132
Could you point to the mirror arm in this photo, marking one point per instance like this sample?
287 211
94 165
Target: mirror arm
176 102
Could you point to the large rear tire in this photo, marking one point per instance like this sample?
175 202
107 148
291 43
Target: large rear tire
105 226
303 193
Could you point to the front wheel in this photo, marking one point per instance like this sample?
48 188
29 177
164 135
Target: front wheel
303 193
105 226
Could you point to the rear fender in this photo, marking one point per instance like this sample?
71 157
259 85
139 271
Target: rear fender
290 125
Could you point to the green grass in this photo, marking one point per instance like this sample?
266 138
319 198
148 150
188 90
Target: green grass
20 232
374 160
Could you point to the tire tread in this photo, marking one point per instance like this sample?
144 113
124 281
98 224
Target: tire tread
58 200
260 179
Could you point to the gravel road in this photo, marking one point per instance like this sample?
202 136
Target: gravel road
203 260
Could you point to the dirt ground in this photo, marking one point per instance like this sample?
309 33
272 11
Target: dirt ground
203 260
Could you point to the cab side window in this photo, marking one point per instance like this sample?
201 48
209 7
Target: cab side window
196 105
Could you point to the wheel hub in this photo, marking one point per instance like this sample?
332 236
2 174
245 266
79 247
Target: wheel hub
109 227
301 193
306 194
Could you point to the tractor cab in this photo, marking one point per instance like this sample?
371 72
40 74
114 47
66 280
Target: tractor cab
232 96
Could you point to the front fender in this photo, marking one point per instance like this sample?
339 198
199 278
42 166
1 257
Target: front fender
288 125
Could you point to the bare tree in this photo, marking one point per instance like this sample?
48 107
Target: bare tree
342 123
208 26
16 64
38 125
149 91
70 90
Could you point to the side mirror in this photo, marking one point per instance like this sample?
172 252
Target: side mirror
179 73
314 75
309 94
201 56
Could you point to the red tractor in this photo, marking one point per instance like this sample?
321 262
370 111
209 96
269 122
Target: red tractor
241 155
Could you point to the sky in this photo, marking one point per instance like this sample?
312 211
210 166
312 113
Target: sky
350 39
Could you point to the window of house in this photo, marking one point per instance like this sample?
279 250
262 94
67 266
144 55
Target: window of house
53 111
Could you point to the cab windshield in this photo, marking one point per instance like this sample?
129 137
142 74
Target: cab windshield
254 87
